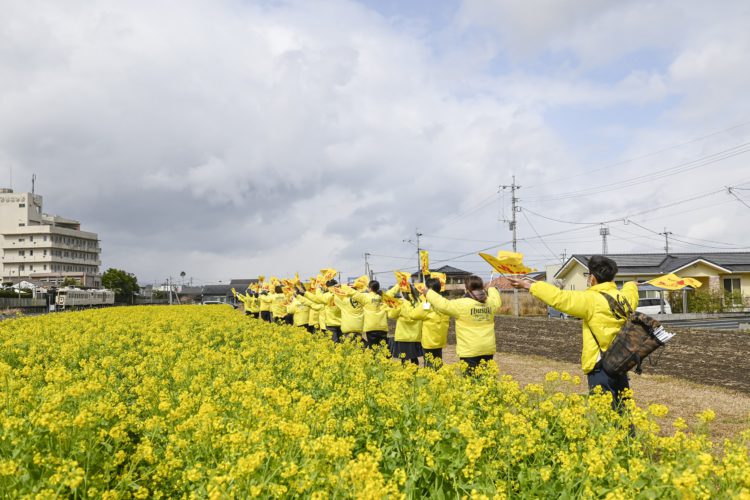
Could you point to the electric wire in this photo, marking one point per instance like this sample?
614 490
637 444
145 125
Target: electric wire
651 176
644 156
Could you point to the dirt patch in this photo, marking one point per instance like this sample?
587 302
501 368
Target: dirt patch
683 398
709 357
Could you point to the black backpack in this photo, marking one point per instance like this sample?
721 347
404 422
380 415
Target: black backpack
635 341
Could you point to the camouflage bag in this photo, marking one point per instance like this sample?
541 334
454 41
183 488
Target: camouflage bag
635 341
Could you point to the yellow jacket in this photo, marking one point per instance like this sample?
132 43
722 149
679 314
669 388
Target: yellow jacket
278 304
475 322
593 309
352 314
314 310
409 324
435 329
252 305
332 311
301 312
376 313
265 302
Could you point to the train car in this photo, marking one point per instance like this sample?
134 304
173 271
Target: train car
75 298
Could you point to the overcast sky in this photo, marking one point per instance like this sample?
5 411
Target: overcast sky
232 138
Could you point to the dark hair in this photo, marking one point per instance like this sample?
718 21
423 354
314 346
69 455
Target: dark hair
475 288
433 284
332 283
278 289
603 268
374 286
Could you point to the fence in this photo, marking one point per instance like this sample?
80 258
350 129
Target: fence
14 303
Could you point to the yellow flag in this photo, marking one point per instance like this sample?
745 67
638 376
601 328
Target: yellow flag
261 279
390 301
234 292
275 281
673 282
441 277
507 262
402 279
296 279
328 273
424 262
337 290
361 283
420 287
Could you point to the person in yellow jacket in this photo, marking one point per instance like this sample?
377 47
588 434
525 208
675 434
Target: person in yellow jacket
278 304
352 315
264 307
434 329
313 318
375 324
407 342
331 311
475 320
254 305
245 299
300 312
599 323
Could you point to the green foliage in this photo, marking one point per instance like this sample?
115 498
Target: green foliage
707 301
13 294
70 282
123 283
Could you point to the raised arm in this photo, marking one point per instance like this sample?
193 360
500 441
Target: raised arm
441 304
574 302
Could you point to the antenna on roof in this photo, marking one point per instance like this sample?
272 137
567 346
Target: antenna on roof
33 181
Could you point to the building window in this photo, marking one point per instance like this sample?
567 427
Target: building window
44 253
22 253
731 285
21 268
31 238
22 205
31 252
45 267
44 238
21 224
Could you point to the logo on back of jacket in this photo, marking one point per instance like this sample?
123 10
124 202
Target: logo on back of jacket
481 313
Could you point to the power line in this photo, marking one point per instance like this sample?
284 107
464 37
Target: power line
730 190
647 155
651 176
554 255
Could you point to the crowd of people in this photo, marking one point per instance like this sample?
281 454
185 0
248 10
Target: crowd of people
422 313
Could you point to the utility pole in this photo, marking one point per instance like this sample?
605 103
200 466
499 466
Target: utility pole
419 264
666 239
169 286
514 209
604 232
564 255
513 227
33 181
368 271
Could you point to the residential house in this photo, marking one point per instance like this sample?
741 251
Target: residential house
717 271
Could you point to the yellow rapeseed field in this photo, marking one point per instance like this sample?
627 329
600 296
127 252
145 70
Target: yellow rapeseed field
156 402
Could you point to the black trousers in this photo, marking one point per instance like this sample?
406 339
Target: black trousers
436 354
335 333
310 328
376 337
614 385
474 361
265 316
255 315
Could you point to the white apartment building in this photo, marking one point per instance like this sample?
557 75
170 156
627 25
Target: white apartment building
43 247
